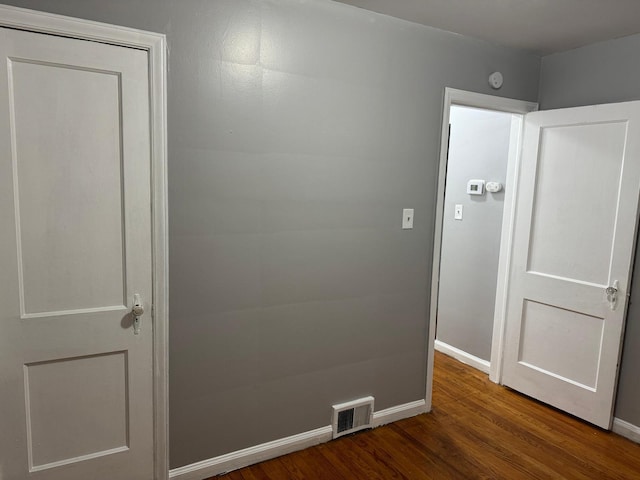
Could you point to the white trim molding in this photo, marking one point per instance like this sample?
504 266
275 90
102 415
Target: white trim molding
249 456
626 430
399 412
462 356
155 44
506 240
470 99
266 451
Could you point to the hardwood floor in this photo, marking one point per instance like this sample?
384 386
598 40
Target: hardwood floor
476 430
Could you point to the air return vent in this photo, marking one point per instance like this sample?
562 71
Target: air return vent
352 416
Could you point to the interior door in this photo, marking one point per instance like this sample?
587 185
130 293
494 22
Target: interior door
75 248
576 219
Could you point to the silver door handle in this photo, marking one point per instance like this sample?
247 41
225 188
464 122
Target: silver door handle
137 311
612 295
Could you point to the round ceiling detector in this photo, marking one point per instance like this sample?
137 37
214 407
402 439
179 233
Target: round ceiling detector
496 80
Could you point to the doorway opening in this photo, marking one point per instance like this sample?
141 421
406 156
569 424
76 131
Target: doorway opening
474 197
481 137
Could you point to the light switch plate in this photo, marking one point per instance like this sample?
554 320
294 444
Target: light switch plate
457 212
407 218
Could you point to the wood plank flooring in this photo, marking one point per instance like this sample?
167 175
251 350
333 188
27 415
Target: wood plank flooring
477 430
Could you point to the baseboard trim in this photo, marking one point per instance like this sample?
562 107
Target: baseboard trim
249 456
393 414
626 429
464 357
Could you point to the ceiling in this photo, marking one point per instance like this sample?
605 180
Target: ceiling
540 26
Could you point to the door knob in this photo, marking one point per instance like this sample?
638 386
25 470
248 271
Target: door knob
612 295
137 311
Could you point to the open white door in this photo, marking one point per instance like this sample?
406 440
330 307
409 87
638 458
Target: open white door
76 381
576 219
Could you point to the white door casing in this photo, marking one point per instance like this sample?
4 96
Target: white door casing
574 234
77 396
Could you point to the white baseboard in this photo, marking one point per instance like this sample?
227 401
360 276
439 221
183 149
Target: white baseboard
249 456
626 429
393 414
464 357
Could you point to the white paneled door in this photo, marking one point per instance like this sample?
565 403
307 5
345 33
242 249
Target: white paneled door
573 247
75 249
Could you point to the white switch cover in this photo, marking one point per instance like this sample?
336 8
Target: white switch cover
457 214
407 218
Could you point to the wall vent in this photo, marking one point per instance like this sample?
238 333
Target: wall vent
352 416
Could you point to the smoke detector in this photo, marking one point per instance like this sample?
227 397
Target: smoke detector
496 80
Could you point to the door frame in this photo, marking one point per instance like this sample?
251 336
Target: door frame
478 100
155 45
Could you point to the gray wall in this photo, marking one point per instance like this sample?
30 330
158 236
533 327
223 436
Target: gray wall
605 72
478 149
298 130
